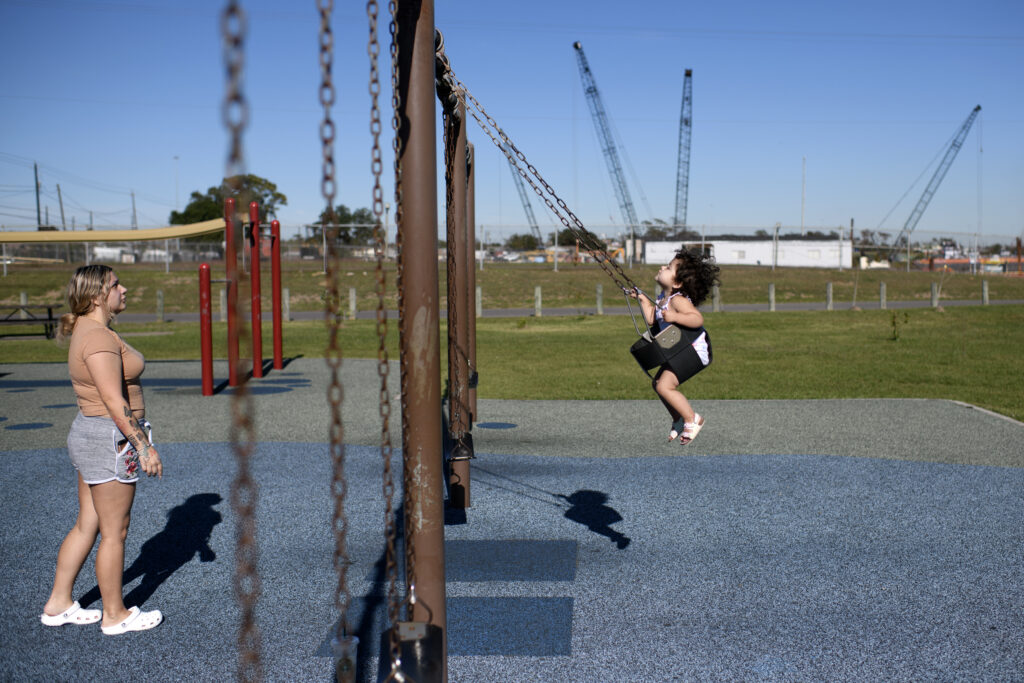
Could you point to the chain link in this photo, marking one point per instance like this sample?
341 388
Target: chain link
244 492
451 126
588 240
383 370
332 319
397 146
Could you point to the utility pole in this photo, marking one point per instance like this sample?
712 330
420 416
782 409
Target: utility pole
39 221
88 251
60 201
135 222
63 224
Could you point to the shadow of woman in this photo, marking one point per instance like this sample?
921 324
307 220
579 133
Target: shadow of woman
588 508
187 533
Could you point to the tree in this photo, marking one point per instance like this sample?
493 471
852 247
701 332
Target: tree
210 205
656 230
566 238
354 227
523 242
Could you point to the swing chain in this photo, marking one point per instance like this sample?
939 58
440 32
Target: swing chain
588 240
383 371
332 315
234 109
235 114
407 474
445 85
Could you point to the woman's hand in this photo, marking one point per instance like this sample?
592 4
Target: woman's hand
150 461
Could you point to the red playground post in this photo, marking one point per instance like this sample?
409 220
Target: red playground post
275 286
231 273
205 329
254 279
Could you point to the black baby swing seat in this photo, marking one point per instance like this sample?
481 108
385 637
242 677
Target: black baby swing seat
673 346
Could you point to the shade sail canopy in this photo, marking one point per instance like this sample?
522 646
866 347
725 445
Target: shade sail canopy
59 236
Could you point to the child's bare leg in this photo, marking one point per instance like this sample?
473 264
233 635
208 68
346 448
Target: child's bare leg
673 413
666 385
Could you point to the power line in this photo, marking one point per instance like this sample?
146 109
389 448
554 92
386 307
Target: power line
737 33
76 179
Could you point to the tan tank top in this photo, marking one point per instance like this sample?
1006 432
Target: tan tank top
91 337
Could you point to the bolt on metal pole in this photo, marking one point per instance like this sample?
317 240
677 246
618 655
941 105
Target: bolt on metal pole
419 318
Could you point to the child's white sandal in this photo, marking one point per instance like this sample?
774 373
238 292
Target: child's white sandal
691 429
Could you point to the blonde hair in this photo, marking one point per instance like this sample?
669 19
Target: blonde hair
85 285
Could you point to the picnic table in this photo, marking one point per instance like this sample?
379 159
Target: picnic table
33 315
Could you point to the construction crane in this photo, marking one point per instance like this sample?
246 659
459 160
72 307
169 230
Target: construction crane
903 238
525 199
683 167
611 154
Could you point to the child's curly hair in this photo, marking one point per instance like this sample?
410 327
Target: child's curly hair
697 275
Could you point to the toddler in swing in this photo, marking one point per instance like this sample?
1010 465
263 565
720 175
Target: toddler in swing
685 284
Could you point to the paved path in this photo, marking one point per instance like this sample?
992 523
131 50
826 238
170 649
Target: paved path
788 542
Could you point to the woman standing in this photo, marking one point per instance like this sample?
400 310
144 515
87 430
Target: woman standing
105 374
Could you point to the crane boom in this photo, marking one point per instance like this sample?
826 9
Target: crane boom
683 166
525 199
903 238
604 134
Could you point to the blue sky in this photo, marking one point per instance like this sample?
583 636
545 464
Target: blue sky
104 96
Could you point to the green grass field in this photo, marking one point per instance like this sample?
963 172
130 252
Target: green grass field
512 285
970 354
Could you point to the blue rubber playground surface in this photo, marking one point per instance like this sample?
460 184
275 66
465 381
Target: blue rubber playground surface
787 543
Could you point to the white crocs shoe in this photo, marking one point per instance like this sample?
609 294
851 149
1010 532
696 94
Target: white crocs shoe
137 620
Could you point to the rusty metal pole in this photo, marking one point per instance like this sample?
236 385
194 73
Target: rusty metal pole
231 239
419 318
255 292
458 314
471 274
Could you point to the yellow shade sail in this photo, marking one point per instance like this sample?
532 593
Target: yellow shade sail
59 236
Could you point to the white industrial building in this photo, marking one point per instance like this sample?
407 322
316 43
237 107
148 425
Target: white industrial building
799 253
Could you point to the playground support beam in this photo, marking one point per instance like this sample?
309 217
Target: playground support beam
231 235
471 273
419 317
205 329
458 315
275 285
254 287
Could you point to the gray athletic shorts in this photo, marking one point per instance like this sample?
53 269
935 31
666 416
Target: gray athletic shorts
100 452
